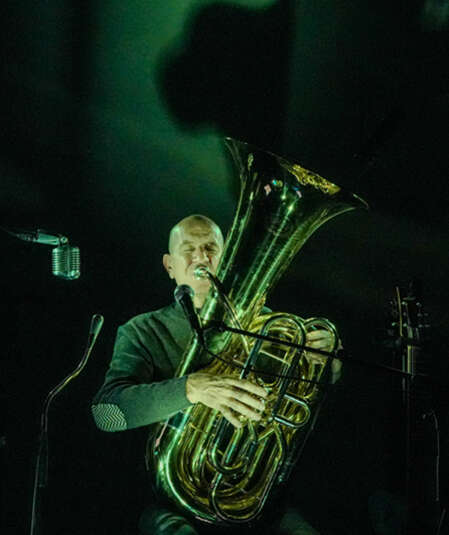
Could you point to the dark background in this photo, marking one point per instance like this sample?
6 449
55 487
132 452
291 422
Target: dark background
112 120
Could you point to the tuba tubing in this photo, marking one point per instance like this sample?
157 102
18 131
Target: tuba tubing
211 470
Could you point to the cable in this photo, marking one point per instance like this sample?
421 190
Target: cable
260 372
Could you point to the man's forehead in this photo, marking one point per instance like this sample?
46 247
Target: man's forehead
194 231
186 233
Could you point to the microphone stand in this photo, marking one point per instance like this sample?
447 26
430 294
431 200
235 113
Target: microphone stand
339 354
202 272
41 467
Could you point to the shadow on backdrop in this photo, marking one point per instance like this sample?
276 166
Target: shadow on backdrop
231 71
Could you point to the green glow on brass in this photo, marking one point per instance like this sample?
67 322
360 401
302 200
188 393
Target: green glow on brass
269 228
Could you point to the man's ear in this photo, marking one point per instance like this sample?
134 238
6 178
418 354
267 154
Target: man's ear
166 261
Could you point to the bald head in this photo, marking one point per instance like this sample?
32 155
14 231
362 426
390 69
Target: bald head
195 225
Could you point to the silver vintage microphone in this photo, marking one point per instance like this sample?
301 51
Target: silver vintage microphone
66 260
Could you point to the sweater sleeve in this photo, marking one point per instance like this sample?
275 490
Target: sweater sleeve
130 397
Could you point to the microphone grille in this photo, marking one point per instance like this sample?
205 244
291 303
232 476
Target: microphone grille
182 290
66 262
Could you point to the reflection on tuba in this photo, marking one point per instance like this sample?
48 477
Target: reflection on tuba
218 473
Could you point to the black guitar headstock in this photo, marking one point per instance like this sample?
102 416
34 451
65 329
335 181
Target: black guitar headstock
409 326
409 319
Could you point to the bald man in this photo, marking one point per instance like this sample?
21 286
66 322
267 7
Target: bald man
140 388
196 240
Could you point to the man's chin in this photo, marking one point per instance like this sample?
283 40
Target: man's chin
201 287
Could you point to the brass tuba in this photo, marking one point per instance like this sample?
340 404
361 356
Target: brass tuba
218 473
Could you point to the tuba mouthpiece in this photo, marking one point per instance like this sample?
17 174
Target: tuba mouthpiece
201 272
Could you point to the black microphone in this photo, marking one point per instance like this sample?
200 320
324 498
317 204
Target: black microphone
184 296
96 324
66 262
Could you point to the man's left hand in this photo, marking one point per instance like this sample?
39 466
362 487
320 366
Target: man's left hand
322 339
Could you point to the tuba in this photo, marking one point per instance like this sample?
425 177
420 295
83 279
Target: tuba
218 473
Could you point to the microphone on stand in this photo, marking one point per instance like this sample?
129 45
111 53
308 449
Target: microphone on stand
66 262
96 323
66 259
184 296
41 467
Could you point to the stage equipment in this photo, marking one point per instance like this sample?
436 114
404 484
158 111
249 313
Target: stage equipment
66 262
184 296
420 504
41 466
218 473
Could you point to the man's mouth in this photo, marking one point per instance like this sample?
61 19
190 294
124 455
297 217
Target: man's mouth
200 271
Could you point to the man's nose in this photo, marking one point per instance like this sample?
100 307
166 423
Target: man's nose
200 254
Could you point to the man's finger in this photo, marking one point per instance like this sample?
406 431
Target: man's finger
318 335
230 417
319 344
242 384
248 399
313 357
243 409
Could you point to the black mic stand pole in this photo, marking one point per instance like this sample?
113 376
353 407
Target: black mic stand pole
41 467
339 354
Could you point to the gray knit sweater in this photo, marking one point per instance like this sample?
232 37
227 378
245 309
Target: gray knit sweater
139 388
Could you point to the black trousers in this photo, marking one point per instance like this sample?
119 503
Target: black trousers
161 518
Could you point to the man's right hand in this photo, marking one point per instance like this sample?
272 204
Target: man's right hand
234 398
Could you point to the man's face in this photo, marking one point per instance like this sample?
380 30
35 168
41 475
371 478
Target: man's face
194 244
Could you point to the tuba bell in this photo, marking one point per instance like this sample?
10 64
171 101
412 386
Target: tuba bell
218 473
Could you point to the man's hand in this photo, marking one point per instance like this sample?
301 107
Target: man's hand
319 339
322 339
234 398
